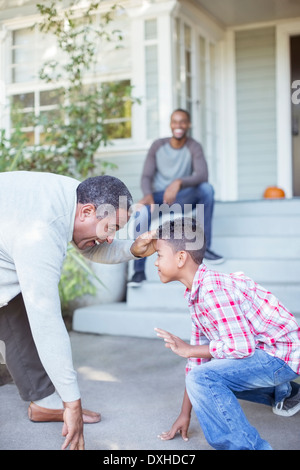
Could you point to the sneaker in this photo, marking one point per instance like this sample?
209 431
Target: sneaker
288 407
137 279
213 258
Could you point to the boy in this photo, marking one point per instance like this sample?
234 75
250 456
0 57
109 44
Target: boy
253 340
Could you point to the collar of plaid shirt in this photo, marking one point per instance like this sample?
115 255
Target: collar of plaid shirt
191 294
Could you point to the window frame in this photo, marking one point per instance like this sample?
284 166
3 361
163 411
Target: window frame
37 86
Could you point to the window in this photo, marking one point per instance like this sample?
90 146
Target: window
30 97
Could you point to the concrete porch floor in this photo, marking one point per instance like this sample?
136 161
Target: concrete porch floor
137 385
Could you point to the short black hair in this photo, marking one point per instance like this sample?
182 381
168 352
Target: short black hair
180 110
184 233
104 190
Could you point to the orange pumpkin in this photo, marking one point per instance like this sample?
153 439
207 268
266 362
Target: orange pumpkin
272 192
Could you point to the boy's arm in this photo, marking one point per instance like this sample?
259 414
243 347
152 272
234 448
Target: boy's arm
182 423
180 347
183 349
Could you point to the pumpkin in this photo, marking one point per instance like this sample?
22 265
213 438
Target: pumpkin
272 192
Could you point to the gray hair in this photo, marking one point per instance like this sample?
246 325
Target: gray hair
104 191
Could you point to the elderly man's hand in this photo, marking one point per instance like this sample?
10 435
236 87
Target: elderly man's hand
73 426
144 245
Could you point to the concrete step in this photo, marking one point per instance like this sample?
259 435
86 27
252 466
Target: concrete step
157 295
259 248
260 238
122 320
256 226
261 271
267 207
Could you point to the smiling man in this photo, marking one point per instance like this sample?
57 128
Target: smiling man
176 172
40 214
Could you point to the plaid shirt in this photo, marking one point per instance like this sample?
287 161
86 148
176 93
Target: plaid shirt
235 316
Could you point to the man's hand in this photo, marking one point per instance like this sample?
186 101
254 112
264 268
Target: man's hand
181 426
171 192
73 426
147 200
178 346
144 245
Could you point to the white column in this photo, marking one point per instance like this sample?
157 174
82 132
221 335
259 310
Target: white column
138 80
228 124
283 97
3 76
165 70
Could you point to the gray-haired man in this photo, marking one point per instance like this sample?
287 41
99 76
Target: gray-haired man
40 214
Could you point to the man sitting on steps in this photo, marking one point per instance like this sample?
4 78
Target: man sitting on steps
175 171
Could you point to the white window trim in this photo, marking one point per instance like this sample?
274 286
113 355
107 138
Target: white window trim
36 86
284 139
284 30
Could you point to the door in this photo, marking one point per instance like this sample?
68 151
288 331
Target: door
295 79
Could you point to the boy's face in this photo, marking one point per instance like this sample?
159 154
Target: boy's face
166 262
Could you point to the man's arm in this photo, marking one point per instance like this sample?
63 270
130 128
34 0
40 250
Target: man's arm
120 251
200 169
199 173
149 168
38 260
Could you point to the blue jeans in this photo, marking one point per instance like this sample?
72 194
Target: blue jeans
201 194
214 389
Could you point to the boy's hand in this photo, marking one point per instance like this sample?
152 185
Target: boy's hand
144 245
180 426
178 346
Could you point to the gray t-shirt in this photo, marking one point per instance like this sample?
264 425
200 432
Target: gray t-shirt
164 164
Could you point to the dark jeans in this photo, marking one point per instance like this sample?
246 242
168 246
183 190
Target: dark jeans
22 358
201 194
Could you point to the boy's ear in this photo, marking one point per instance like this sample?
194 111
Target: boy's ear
182 257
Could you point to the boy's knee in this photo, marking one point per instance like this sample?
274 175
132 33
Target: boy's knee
194 378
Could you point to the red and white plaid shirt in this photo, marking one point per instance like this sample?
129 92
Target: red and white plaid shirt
235 316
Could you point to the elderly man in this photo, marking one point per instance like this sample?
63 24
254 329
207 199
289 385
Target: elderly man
40 214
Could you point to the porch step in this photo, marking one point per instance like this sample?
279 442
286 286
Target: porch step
260 238
122 319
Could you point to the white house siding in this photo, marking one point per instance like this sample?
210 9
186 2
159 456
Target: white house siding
256 111
129 165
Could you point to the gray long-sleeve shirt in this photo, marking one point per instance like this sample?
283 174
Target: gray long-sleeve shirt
37 214
164 164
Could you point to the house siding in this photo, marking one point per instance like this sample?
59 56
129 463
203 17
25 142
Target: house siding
256 111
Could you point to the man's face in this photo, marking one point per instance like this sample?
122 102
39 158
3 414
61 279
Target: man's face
180 125
90 230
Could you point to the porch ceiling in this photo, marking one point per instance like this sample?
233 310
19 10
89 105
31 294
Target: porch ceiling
238 12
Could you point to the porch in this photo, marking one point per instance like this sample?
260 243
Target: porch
260 238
